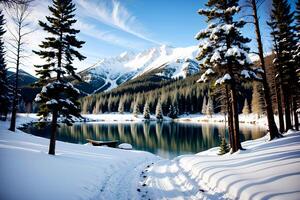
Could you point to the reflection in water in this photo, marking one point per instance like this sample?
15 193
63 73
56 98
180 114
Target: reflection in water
167 139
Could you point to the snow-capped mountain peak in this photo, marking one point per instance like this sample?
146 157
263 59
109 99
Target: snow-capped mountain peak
169 61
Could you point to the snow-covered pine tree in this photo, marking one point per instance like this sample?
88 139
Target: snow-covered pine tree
281 22
203 110
224 53
246 109
121 106
58 96
136 109
158 111
146 112
210 107
4 85
296 56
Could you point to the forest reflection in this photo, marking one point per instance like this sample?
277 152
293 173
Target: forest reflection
166 139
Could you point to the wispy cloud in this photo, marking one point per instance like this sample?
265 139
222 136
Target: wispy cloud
92 31
114 14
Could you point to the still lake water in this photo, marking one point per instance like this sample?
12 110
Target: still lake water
166 139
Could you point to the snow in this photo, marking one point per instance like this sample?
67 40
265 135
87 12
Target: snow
223 79
75 172
203 77
125 146
215 57
51 102
265 170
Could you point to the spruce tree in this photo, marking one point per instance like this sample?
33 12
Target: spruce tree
203 110
58 96
254 4
173 111
158 111
210 107
257 103
146 112
224 54
296 56
281 22
5 91
224 148
246 109
136 109
121 106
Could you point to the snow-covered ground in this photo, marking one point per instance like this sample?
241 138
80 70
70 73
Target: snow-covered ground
76 172
129 117
219 118
265 170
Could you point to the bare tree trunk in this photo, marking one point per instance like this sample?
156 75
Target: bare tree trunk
296 120
279 108
287 109
15 100
53 133
267 94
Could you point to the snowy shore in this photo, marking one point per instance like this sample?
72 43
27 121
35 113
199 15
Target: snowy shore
266 170
75 172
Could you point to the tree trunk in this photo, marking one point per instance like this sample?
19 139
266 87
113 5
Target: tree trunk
267 94
296 120
235 120
229 111
15 100
287 110
53 133
279 107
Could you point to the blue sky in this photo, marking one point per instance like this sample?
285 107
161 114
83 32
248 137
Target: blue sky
111 27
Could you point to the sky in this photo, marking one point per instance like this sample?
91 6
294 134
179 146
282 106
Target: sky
111 27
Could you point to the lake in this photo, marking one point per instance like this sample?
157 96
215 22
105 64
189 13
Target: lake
166 139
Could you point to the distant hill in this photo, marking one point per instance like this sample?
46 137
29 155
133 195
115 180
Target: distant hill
25 79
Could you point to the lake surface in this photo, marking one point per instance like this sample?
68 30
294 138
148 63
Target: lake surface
166 139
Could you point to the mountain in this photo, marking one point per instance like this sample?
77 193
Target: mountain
25 78
164 62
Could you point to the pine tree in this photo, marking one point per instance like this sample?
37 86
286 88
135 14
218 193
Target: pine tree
254 4
224 54
158 111
203 111
58 96
257 103
281 22
224 148
246 109
173 111
121 106
296 57
136 109
146 112
4 85
210 107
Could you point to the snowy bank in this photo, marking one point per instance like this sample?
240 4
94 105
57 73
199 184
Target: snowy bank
266 170
220 118
76 172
